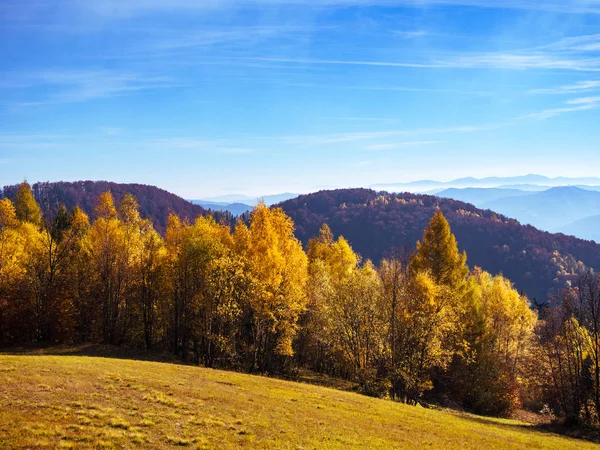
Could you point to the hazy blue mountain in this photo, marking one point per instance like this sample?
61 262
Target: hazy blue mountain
524 182
587 228
479 196
588 188
226 200
234 208
526 187
550 210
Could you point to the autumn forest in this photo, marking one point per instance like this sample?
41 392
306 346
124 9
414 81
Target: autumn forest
420 326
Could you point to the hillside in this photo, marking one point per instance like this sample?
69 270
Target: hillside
479 196
550 210
155 203
586 228
85 402
236 209
537 262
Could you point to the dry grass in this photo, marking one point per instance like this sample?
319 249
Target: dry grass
87 402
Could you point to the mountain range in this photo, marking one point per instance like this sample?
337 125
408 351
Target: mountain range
374 223
524 182
377 222
238 204
568 209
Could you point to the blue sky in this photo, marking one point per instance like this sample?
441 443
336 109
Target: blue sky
212 97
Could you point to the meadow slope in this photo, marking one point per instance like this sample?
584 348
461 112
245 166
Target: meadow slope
90 402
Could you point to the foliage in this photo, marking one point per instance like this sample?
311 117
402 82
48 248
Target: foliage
416 328
376 223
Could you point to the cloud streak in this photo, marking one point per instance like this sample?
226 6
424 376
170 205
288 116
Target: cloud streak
580 86
125 9
574 105
506 61
75 86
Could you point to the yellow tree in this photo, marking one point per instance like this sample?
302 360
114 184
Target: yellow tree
151 287
346 326
26 207
393 279
438 253
279 266
426 321
82 277
498 328
192 251
108 255
50 277
13 309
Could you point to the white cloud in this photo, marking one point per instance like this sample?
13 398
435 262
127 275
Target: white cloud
399 145
569 89
584 100
508 61
74 86
120 8
579 104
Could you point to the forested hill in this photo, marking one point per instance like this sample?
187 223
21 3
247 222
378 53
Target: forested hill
374 222
154 203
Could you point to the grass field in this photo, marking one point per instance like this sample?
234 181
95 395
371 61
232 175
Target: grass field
91 402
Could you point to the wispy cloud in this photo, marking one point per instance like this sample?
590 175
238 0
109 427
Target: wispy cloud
579 86
377 136
363 119
410 34
28 142
123 9
499 60
576 104
584 100
390 88
399 145
581 44
191 144
74 86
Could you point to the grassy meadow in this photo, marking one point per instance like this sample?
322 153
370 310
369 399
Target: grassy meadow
93 402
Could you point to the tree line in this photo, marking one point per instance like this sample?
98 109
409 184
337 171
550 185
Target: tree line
419 326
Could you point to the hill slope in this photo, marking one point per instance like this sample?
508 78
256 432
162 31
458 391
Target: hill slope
478 196
537 262
586 228
549 210
236 209
155 203
83 402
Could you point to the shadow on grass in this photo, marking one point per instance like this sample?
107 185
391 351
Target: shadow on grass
94 350
584 433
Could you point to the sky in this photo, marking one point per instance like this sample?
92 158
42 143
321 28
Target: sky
256 97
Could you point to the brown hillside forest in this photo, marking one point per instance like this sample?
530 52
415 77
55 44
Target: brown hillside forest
418 327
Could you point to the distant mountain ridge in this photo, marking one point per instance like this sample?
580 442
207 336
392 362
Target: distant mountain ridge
228 199
554 209
238 204
586 228
531 180
236 209
479 196
551 209
375 222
